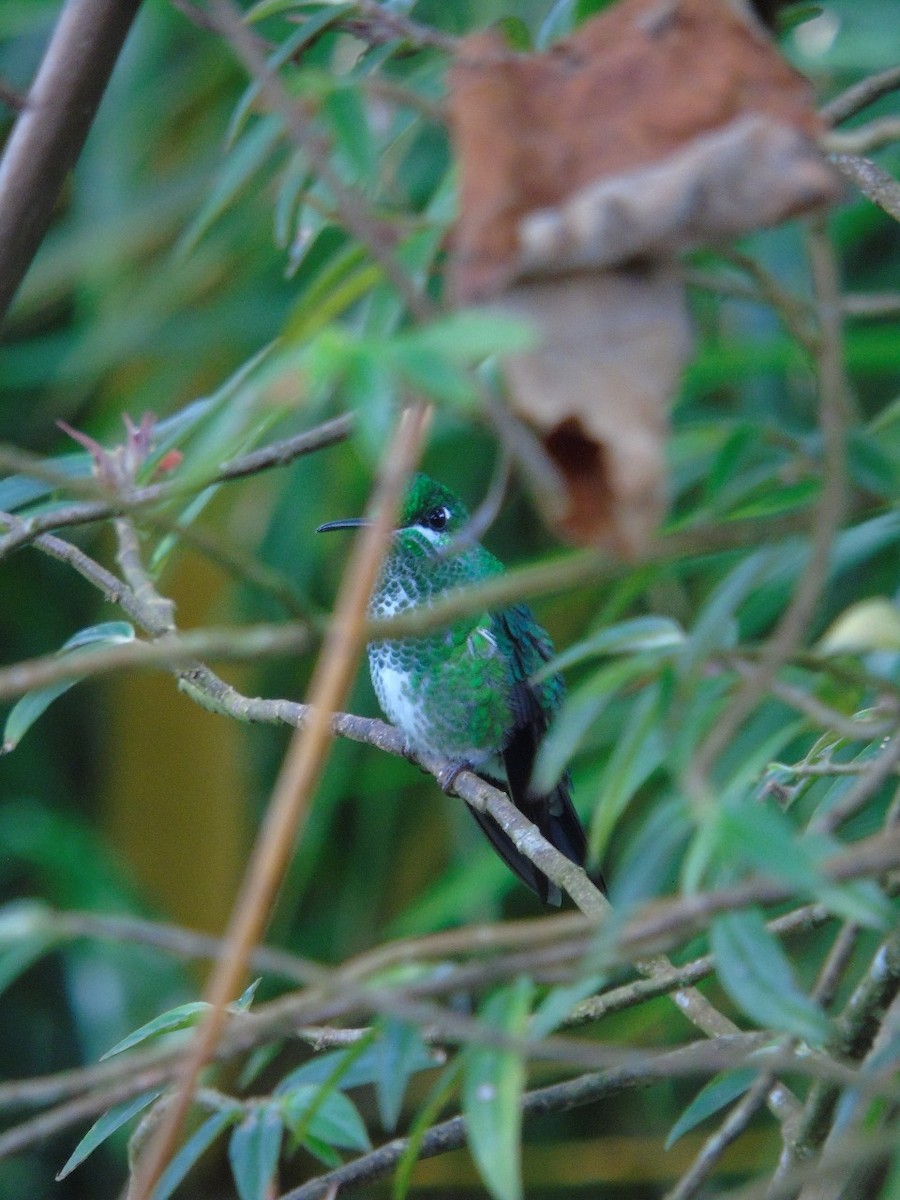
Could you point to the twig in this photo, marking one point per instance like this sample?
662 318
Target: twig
876 185
560 1097
715 1146
854 1034
377 24
240 644
290 798
879 771
866 138
871 304
277 454
861 95
51 128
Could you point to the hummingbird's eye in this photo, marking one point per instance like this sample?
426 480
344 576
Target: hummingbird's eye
437 518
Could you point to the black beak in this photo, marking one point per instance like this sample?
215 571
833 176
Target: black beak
347 523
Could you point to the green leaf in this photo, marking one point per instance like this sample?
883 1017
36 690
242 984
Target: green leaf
492 1093
111 1120
181 1017
763 836
715 627
434 374
277 59
243 1002
626 637
872 624
241 163
34 704
440 1093
580 710
193 1149
15 959
711 1099
253 1151
331 1118
559 1002
401 1053
637 753
756 974
470 335
347 116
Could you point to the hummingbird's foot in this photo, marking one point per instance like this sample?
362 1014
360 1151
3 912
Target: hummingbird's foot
449 773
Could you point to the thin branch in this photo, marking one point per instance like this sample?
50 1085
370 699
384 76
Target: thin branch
861 95
728 1132
50 131
880 769
876 185
276 454
560 1097
871 304
248 643
376 24
866 138
854 1033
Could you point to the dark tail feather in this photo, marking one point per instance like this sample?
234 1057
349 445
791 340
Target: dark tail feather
522 866
559 824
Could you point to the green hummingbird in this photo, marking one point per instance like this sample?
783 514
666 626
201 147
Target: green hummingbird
467 692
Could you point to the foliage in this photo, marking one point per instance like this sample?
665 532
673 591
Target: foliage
732 710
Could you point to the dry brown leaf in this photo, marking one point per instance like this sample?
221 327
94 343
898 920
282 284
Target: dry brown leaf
659 125
614 342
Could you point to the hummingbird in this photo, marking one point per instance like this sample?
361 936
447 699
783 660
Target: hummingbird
466 692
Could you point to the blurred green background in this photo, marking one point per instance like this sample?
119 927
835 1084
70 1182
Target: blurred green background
181 249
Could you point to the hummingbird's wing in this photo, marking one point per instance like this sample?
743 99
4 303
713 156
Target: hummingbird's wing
526 647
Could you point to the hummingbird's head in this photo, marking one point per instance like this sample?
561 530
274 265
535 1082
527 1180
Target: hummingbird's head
431 514
430 517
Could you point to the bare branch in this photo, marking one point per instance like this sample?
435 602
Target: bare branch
51 128
861 95
866 138
876 185
277 454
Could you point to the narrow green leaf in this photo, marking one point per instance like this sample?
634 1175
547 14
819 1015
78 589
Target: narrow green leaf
492 1093
253 1151
756 974
434 374
439 1095
636 755
715 626
401 1053
193 1149
277 59
241 163
111 1120
34 704
470 335
332 1118
626 637
580 710
243 1002
711 1099
346 114
763 836
181 1017
17 957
